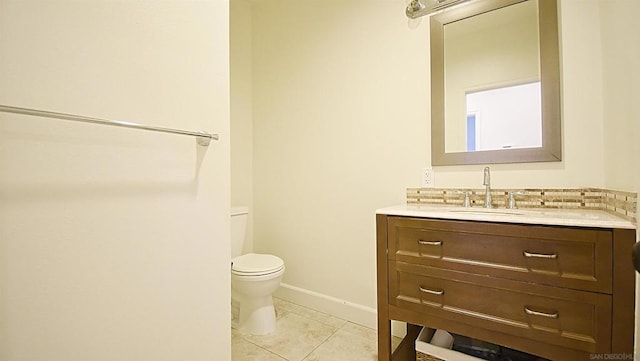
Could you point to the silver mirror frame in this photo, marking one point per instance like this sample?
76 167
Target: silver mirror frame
551 150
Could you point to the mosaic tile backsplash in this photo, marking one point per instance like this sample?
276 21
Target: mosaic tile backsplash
619 203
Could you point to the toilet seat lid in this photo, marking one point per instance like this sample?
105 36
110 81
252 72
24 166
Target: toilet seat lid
255 263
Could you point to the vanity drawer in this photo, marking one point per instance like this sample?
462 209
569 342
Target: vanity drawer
575 258
568 318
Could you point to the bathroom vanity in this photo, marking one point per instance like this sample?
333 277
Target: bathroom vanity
556 284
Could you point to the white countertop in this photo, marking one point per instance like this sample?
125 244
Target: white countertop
548 216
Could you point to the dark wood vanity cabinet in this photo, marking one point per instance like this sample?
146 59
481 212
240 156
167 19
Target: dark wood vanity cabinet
562 293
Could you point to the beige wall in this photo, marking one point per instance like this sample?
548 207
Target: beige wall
621 91
114 242
340 129
241 111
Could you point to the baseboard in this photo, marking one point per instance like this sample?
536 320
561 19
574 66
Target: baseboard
352 312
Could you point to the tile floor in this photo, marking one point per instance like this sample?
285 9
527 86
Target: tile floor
303 334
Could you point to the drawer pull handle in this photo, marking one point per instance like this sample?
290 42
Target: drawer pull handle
431 292
540 255
538 313
429 243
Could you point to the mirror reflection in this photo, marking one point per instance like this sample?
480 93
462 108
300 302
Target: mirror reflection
492 80
495 83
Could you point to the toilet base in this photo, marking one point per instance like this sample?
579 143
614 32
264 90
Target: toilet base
253 292
257 315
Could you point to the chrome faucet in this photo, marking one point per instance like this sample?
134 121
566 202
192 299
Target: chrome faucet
487 183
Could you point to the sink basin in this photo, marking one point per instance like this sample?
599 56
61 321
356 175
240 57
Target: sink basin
493 212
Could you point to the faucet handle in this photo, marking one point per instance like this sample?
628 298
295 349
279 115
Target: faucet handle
467 201
511 203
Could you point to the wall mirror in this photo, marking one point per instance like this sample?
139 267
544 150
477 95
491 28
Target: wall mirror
495 83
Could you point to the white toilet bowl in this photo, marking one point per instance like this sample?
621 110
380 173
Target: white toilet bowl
254 278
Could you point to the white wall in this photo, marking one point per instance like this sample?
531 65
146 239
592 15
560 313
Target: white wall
506 117
114 242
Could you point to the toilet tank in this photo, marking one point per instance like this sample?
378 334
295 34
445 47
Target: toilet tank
239 216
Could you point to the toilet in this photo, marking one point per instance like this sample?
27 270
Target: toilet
254 278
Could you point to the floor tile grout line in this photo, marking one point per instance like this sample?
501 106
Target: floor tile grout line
251 342
273 353
305 356
264 349
302 314
322 343
316 311
326 324
316 320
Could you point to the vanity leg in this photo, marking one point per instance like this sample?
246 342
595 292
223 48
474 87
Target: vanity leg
406 351
622 337
384 324
384 340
